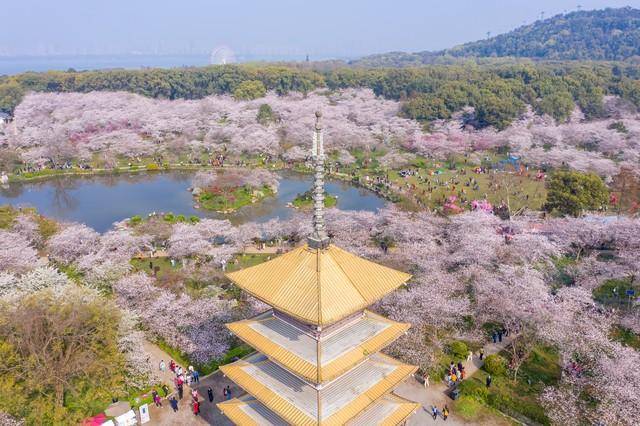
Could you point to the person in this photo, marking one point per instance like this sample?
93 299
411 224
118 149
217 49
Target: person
451 367
210 394
500 336
196 408
194 394
174 403
180 391
162 366
172 366
179 370
470 356
460 367
426 380
157 401
191 368
165 389
227 393
434 412
445 413
488 381
481 353
196 376
494 336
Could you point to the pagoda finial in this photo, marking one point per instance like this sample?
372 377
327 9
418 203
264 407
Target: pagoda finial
319 237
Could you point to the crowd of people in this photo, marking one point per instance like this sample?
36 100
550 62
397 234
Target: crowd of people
189 377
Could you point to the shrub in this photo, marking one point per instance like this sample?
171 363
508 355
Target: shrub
459 349
181 218
169 217
495 365
152 167
194 219
135 220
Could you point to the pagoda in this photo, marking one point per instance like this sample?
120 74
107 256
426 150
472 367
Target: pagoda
318 359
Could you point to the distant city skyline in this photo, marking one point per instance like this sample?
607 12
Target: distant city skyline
281 29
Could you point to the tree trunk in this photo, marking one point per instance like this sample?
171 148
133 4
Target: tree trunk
59 392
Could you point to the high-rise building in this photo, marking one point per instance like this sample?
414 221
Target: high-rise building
318 359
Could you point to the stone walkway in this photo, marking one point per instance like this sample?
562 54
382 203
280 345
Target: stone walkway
209 413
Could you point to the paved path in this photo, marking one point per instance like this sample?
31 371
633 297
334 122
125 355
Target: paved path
437 393
209 413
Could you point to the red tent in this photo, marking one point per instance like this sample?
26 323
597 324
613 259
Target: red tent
96 420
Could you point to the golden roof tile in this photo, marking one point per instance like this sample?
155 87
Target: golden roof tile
388 410
318 286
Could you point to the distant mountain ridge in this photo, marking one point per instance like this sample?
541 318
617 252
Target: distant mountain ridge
607 34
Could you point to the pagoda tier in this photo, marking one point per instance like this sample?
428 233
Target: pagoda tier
318 286
297 346
389 410
298 402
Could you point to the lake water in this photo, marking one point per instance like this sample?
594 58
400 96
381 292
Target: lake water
99 201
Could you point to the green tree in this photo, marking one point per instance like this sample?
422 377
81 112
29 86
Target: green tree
497 111
248 90
60 355
571 192
425 108
11 94
266 115
558 105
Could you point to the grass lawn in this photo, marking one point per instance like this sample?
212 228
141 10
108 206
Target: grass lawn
305 200
626 337
519 399
7 216
233 199
162 263
520 191
613 292
248 259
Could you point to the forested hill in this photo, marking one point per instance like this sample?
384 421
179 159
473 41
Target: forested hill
608 34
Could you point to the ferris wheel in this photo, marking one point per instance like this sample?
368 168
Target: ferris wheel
222 55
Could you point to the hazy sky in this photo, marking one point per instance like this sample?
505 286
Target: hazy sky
267 27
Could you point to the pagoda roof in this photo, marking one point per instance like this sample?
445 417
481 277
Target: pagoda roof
299 403
318 286
388 410
297 350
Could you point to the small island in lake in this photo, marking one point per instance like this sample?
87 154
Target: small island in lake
305 200
228 191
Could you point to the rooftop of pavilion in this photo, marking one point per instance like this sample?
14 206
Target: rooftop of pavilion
318 286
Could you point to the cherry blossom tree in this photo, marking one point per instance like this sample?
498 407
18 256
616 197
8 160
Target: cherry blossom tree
195 326
72 242
17 254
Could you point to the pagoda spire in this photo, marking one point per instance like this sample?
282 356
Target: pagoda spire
318 237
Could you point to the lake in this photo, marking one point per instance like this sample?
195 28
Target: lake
99 201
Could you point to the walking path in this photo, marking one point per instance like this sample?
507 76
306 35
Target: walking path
209 413
436 394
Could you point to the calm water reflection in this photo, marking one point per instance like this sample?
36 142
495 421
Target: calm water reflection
99 201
